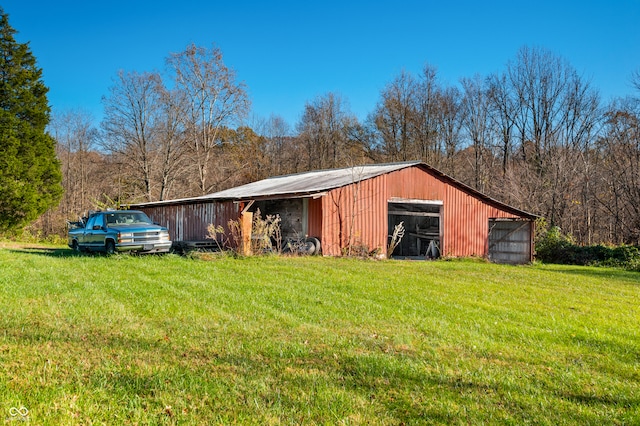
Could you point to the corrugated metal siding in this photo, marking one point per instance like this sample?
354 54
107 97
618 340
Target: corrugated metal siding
315 217
510 241
331 222
355 214
464 220
466 224
189 222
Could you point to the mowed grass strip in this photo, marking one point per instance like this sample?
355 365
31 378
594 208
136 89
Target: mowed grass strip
275 340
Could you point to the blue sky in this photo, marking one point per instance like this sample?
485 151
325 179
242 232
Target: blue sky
290 52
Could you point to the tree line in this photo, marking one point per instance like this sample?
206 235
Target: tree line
536 135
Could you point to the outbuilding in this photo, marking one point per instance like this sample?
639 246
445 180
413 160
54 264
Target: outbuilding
359 207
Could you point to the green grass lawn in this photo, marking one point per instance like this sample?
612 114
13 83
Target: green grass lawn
90 339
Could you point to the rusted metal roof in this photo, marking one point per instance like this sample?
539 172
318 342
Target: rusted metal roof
294 185
320 181
309 182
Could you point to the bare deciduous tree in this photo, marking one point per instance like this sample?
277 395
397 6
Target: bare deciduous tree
171 141
503 111
449 125
477 126
277 132
417 119
324 129
131 125
214 99
76 137
553 113
427 119
393 118
620 151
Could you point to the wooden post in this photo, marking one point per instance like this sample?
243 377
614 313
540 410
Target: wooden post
246 222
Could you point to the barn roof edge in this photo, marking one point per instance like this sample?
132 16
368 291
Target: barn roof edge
315 183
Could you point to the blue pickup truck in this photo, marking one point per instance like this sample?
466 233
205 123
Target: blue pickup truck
117 231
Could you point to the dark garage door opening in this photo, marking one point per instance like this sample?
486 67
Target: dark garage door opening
422 224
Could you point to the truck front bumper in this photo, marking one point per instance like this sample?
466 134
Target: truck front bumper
149 247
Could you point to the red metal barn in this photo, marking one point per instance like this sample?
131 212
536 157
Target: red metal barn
359 207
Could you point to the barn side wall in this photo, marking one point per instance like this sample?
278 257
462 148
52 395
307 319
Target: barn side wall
189 222
466 223
357 213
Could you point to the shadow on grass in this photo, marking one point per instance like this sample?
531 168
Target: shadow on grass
599 273
48 251
406 393
59 252
600 400
63 252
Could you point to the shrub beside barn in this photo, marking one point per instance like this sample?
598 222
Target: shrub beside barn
358 207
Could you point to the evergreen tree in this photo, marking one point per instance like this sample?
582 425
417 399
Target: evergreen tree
30 178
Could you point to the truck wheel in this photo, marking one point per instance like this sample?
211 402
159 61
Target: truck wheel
110 247
75 247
